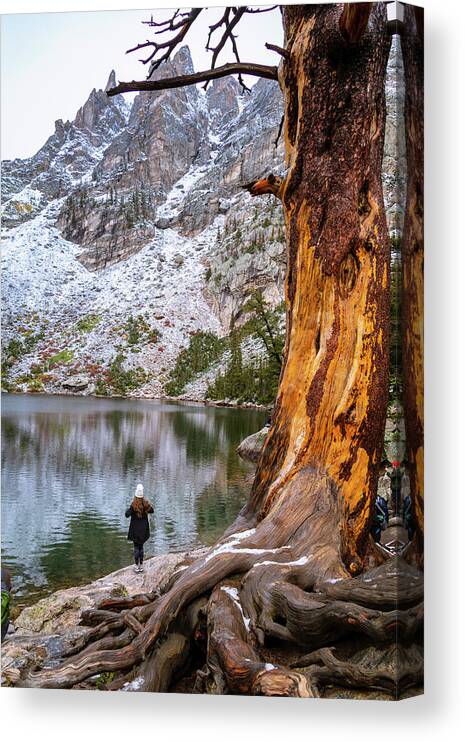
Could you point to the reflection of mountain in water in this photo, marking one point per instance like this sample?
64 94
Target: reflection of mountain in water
69 467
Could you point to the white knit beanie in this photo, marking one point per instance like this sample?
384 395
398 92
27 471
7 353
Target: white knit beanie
139 491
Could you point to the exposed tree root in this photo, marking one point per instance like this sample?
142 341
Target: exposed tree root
324 668
117 604
290 614
297 592
275 600
234 664
173 655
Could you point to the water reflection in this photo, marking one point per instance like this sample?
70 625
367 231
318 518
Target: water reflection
70 465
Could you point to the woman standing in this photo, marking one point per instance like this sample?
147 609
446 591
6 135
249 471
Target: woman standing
139 530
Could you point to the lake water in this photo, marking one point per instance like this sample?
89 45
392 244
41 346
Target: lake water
70 466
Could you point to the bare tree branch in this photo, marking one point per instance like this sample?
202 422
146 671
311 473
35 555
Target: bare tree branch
180 23
184 24
278 49
234 68
224 19
261 10
229 20
169 24
227 33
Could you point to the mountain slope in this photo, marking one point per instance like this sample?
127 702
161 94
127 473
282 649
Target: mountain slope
129 231
110 229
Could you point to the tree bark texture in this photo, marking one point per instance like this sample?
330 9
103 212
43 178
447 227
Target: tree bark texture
331 405
412 258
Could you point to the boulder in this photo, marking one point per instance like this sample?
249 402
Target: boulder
251 446
163 222
76 383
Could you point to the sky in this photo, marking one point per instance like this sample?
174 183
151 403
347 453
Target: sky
51 61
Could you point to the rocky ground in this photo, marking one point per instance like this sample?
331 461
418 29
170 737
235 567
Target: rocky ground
42 632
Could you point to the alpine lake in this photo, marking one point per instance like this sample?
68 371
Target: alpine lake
70 466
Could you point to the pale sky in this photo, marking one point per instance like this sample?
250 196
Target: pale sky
51 61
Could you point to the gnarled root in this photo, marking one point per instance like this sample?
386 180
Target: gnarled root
172 657
324 668
234 665
278 599
296 593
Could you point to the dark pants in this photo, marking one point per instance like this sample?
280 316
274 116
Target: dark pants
138 553
376 533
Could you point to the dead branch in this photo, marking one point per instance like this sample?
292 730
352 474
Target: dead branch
272 184
261 10
234 68
278 49
179 24
169 24
184 24
227 34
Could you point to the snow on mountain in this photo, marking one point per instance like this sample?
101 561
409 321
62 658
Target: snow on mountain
129 231
110 229
65 161
48 290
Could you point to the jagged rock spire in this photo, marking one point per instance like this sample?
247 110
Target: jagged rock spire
111 81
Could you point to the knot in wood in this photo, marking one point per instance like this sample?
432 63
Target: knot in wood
348 271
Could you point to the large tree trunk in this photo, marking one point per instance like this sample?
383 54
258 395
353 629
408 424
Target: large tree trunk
412 259
295 557
330 411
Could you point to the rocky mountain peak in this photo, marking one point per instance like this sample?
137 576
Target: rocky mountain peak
181 64
223 96
111 83
97 107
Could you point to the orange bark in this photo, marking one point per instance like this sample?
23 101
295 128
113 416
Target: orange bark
332 398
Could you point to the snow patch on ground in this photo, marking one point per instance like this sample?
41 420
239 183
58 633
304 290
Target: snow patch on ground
134 685
164 281
234 594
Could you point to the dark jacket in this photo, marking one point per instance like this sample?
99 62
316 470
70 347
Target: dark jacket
139 530
381 512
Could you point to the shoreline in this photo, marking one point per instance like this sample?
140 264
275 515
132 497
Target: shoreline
230 404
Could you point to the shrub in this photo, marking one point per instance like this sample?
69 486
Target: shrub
88 322
62 357
203 349
119 381
35 386
103 680
16 349
139 331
